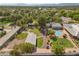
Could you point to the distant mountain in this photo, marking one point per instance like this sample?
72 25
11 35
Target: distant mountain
24 4
13 4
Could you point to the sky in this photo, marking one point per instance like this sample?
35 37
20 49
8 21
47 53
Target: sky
38 1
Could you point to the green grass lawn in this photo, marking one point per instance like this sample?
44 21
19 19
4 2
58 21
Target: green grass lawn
64 42
36 31
39 42
21 36
5 22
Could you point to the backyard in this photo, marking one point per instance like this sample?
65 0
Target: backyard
62 41
21 36
36 31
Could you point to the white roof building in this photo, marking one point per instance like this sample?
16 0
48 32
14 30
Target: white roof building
73 29
65 19
76 29
31 38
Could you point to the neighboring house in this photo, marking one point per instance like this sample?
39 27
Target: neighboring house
8 37
66 19
72 29
56 26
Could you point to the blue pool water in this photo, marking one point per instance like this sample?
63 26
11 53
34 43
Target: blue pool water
58 33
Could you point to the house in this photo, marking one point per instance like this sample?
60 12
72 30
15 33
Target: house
72 29
56 26
65 19
31 38
8 37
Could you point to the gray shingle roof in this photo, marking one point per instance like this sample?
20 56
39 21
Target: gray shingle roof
8 36
70 29
56 25
31 38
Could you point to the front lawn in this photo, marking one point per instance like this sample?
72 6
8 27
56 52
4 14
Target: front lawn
39 42
64 42
21 36
5 22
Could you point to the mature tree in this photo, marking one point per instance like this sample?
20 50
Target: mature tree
15 53
50 32
76 17
27 48
23 48
57 19
42 22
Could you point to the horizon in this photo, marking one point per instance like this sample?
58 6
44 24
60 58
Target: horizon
35 3
38 1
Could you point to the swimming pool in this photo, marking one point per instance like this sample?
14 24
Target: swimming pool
58 33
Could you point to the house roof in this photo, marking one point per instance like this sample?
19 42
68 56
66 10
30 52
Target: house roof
65 19
8 36
72 28
56 25
31 38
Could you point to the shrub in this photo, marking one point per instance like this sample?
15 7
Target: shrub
15 53
36 31
50 31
